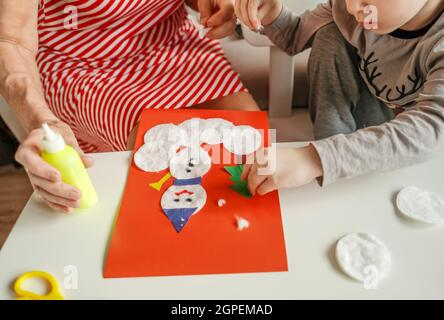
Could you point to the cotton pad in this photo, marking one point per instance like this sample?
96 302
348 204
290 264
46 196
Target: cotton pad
212 130
169 134
190 163
152 157
242 140
193 128
422 205
362 255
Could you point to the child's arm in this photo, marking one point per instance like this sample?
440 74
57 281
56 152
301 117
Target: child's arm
287 31
412 137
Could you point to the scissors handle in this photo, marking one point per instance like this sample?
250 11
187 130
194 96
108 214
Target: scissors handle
53 294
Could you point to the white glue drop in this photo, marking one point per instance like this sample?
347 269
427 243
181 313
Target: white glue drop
242 223
221 202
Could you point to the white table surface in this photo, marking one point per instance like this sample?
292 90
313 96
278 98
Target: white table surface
314 219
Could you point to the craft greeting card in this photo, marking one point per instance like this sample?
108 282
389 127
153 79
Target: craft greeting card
185 210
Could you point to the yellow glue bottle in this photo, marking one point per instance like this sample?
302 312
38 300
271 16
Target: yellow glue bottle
67 161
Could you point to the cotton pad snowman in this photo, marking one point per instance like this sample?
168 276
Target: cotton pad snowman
242 140
186 196
363 257
421 205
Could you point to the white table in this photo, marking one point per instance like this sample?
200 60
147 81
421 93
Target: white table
314 219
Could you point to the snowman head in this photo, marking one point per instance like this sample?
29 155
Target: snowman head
190 163
184 197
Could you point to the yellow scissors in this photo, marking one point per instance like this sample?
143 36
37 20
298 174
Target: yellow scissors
54 289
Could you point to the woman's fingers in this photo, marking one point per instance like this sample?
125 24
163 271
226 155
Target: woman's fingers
29 156
222 31
223 15
53 199
205 10
267 186
58 208
88 161
58 189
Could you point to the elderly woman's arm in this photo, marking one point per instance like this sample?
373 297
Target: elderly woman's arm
19 76
21 87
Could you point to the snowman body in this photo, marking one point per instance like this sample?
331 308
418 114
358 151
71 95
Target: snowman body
186 196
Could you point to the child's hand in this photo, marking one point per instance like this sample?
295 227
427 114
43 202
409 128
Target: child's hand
257 13
282 168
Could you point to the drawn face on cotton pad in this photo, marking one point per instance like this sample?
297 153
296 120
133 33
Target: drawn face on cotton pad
179 197
190 163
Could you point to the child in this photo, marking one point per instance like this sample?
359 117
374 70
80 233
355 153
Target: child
376 96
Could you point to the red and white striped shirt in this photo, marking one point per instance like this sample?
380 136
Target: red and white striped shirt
103 61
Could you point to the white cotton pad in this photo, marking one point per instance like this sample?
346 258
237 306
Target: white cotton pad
422 205
177 197
362 255
152 157
242 140
189 163
193 128
168 133
212 130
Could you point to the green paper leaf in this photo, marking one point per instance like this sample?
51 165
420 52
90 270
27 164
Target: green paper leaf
243 191
240 186
235 171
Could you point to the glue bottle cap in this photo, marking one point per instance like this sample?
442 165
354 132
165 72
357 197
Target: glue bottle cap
52 141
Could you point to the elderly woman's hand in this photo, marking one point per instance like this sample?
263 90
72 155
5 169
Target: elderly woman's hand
218 15
45 179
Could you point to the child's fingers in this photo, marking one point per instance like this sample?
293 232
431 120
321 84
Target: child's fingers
252 10
255 180
240 13
267 186
246 171
244 14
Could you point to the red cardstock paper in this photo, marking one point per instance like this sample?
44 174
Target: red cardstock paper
144 242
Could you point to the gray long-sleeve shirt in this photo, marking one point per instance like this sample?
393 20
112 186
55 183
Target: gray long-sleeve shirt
409 74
